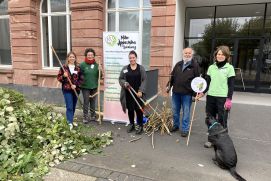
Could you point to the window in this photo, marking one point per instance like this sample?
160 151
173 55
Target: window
5 51
55 31
239 20
198 33
198 21
132 15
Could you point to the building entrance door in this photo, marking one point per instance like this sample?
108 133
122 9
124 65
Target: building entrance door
247 61
246 55
265 72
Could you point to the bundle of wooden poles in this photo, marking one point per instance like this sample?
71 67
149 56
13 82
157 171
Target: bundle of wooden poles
159 120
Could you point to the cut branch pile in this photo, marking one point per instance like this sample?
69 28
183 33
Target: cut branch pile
159 120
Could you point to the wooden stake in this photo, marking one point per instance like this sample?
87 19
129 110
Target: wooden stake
98 90
191 122
152 142
133 140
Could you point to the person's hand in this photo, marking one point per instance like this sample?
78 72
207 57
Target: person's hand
73 86
168 89
228 104
126 85
139 94
65 74
200 95
100 67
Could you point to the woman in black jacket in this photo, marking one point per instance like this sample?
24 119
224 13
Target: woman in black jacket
132 75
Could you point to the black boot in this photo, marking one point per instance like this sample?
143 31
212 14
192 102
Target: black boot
131 127
139 130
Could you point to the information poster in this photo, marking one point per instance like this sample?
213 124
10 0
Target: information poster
116 47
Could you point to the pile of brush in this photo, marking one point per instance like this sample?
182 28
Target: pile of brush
159 119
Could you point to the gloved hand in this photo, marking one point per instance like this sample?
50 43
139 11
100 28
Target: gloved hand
126 85
200 95
228 104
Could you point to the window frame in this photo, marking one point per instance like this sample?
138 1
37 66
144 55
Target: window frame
3 65
49 15
139 9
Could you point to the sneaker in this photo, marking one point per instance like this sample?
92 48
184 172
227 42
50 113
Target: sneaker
131 127
71 126
85 121
184 133
174 129
139 130
75 124
208 144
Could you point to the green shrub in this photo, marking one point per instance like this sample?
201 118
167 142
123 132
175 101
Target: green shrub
34 137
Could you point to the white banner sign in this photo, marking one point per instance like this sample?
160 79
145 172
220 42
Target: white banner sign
116 46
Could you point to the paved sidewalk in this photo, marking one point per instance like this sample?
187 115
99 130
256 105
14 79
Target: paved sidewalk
172 160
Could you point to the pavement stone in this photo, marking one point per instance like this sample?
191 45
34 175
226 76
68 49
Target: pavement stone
114 176
123 177
87 170
102 173
70 166
101 179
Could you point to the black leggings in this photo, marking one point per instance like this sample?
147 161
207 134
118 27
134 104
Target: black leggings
139 116
215 108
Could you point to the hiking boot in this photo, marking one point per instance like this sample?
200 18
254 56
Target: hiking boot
208 144
184 133
139 130
131 127
174 129
75 124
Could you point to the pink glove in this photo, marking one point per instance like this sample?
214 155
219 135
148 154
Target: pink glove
227 104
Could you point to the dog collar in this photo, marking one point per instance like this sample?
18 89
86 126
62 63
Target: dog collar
219 132
213 125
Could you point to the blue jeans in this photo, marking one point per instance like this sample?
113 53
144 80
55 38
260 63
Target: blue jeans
181 101
70 101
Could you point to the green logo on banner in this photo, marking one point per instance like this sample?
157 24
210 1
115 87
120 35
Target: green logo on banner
111 40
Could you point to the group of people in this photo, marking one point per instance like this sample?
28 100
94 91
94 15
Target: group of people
132 79
85 77
75 77
220 84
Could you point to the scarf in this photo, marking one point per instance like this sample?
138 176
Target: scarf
220 64
89 61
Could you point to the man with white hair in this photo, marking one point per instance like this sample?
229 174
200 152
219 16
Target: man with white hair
180 79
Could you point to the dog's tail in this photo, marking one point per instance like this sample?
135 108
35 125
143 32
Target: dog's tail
236 175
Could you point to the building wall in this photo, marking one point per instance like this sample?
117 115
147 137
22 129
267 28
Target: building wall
87 26
162 39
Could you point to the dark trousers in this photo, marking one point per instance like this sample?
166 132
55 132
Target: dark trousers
89 103
139 116
215 108
70 101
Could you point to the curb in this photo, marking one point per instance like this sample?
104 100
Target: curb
101 174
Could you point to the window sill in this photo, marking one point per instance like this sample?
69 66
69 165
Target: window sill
45 73
6 70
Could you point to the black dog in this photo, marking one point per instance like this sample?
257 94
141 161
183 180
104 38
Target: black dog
225 154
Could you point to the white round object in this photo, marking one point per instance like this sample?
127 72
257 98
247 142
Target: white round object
198 84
